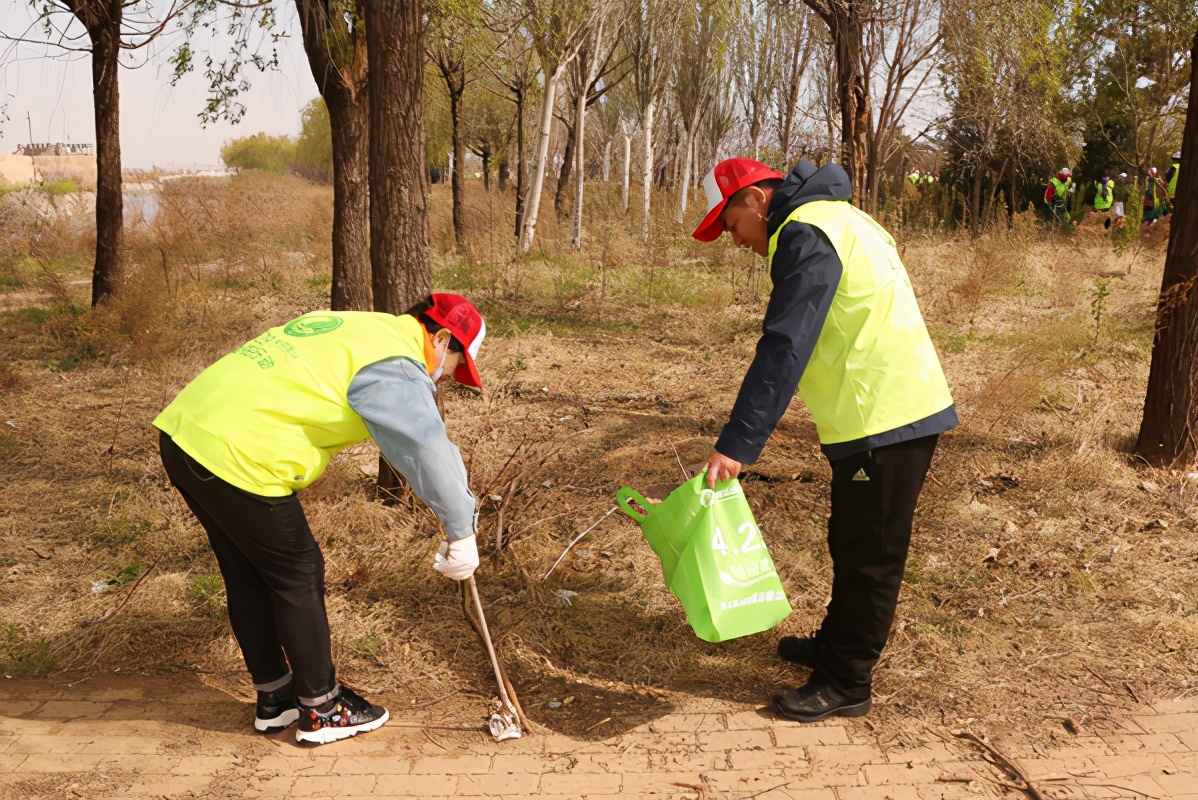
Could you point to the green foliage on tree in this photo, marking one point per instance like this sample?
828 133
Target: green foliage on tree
314 148
260 151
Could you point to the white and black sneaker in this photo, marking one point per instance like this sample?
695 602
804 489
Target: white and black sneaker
276 710
346 715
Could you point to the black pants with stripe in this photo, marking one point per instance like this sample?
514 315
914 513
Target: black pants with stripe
273 571
873 505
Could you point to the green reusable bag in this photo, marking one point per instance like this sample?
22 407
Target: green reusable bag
712 557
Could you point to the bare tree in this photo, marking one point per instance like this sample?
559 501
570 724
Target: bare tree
792 39
512 66
588 83
558 28
335 42
696 68
649 46
1169 430
755 76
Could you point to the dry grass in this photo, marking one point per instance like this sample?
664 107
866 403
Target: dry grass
1051 577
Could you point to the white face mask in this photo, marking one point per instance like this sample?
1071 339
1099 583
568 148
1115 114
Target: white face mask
436 376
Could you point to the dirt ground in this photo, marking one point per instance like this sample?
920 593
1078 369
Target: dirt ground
1050 589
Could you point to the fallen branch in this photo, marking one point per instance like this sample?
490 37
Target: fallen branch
576 540
1005 763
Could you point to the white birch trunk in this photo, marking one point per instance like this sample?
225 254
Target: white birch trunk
627 170
607 162
647 175
533 203
687 162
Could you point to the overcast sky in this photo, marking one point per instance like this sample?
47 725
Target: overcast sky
159 124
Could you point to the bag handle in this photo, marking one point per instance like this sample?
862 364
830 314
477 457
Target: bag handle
630 500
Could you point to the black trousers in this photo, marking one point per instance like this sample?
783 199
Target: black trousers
869 532
274 576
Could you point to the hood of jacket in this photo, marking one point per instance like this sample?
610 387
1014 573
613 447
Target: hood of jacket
805 183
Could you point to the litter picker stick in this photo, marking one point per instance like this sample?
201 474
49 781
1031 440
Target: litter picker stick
507 694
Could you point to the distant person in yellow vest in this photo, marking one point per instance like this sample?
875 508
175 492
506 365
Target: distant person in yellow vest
262 422
1104 196
1171 176
1056 195
842 326
1156 200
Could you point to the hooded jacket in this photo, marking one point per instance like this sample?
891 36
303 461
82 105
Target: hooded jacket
806 271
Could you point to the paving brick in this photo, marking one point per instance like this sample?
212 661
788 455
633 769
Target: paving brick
1131 786
11 762
1167 723
803 735
372 764
655 743
787 793
1154 742
1118 766
581 785
71 709
1177 783
59 762
850 754
333 785
168 786
452 765
495 785
416 785
735 740
670 784
45 745
955 791
907 792
757 719
533 764
140 764
769 758
205 765
687 723
697 761
300 764
921 754
822 774
891 774
123 745
593 763
1179 706
747 782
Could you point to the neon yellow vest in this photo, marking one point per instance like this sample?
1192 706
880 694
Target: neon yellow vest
874 367
1101 203
1060 190
268 416
1171 189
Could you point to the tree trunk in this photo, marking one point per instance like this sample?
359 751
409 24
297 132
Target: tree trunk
502 171
1169 430
398 181
350 122
459 163
486 159
563 175
538 181
607 162
687 162
343 86
105 37
520 188
647 175
580 134
627 171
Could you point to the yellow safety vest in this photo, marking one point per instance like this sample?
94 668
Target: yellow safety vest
874 367
268 416
1171 189
1103 203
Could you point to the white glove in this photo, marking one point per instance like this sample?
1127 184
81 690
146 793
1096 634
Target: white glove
457 560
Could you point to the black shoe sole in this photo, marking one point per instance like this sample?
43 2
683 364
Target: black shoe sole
852 710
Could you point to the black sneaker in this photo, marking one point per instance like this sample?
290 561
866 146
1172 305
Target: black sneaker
276 710
801 650
348 715
820 700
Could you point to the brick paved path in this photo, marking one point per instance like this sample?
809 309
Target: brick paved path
150 737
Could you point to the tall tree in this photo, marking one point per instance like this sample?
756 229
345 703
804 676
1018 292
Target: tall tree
450 42
791 39
512 66
588 79
401 273
701 52
558 29
335 43
649 46
1169 430
755 75
111 26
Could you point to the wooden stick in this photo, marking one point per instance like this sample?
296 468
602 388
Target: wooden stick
476 624
576 540
1005 763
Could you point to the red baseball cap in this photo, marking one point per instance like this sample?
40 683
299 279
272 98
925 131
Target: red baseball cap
726 179
459 316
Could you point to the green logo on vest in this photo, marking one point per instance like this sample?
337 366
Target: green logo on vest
312 325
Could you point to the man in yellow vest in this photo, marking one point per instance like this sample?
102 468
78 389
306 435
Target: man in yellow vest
262 422
1171 176
842 326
